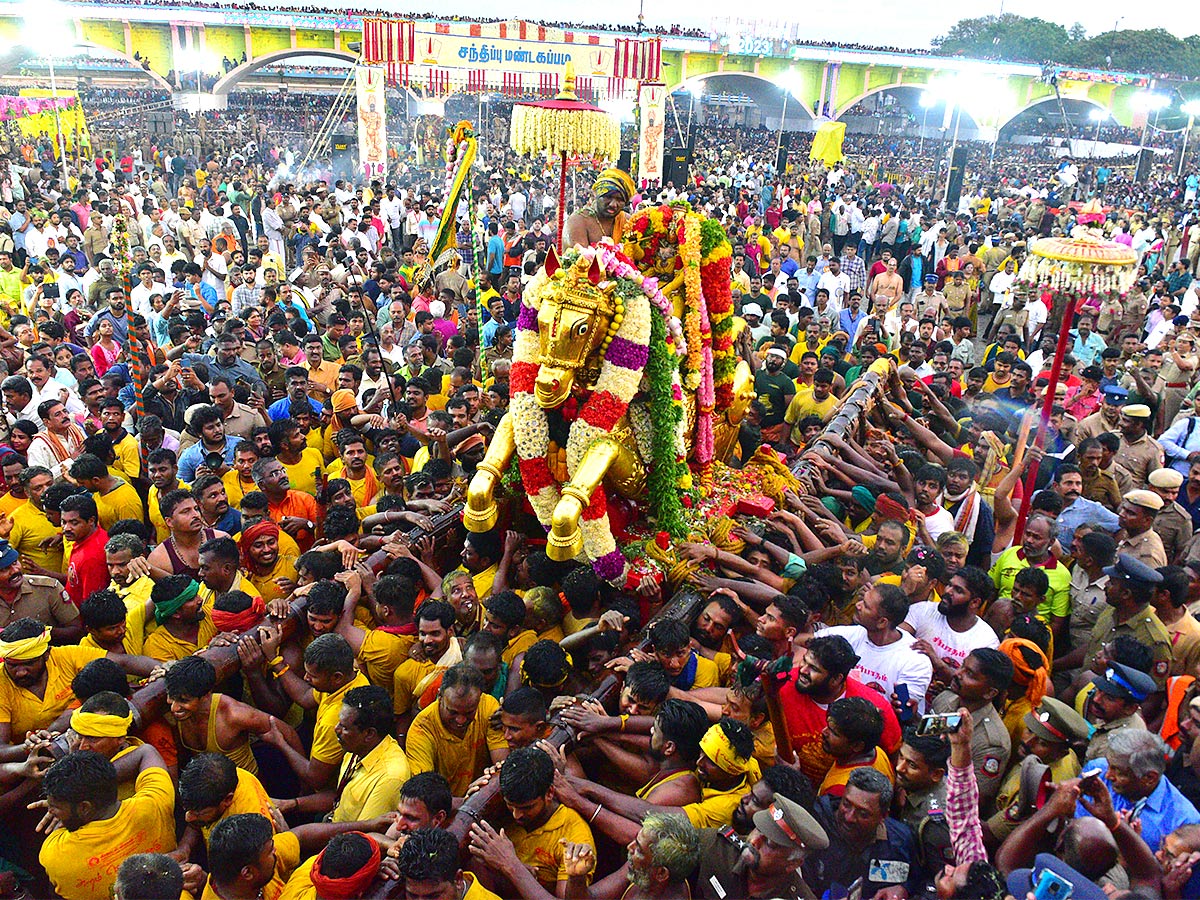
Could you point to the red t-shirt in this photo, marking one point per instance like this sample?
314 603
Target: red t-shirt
87 570
806 720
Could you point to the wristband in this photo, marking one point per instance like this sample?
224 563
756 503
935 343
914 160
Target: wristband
276 661
624 722
1115 826
281 672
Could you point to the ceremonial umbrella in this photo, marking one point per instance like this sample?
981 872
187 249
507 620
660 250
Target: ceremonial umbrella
1072 269
564 126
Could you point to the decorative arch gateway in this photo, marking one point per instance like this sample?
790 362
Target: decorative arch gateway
16 56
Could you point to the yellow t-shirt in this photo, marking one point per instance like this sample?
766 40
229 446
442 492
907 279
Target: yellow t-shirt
25 711
374 789
240 583
129 461
248 797
839 774
8 503
990 386
164 645
287 857
303 475
483 581
136 597
30 527
431 748
405 679
715 808
803 404
382 653
519 644
285 567
235 488
122 502
82 864
542 848
325 746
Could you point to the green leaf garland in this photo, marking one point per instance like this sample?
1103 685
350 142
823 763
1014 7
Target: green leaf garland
662 479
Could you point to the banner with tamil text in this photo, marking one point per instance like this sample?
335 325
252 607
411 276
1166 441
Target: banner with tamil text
453 51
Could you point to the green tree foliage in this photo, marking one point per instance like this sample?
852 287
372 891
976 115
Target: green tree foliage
1037 40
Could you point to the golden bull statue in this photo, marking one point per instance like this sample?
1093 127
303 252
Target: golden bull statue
579 311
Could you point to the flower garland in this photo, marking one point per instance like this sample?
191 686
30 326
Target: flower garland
666 457
689 257
715 281
537 129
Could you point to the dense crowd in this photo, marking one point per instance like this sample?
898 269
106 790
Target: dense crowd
248 651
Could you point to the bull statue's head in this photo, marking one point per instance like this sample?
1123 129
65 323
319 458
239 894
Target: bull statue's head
572 321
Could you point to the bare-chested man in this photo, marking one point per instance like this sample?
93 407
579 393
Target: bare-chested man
606 217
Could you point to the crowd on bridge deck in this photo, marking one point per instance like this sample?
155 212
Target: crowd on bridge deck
314 409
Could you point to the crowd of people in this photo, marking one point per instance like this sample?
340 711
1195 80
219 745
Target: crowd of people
248 651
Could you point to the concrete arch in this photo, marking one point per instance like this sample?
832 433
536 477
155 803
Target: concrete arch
1053 99
920 88
795 101
19 55
231 80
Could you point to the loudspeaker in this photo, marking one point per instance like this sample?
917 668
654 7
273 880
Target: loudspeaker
676 166
625 163
342 156
958 167
1145 160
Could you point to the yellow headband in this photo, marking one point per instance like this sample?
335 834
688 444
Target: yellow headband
90 724
26 648
716 746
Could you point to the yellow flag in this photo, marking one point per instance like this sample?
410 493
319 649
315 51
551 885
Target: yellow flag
827 143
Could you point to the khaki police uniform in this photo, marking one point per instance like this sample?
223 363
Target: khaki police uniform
1173 525
41 598
1098 746
925 813
1146 627
1139 458
991 745
1146 547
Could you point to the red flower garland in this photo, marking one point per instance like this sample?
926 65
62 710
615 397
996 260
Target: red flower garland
535 473
598 507
603 410
521 377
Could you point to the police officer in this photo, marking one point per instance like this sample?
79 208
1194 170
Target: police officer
984 677
767 862
1173 524
36 597
1051 731
1128 593
1119 692
921 800
1137 515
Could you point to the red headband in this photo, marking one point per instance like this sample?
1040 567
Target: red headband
240 621
351 886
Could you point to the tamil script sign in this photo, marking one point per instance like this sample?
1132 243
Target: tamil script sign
452 51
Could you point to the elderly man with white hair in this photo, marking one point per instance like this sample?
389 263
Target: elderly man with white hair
1133 768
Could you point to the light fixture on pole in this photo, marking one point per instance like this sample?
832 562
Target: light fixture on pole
46 33
1098 116
789 84
927 101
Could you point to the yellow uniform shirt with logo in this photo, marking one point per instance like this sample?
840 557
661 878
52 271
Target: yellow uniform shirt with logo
374 786
381 654
248 797
325 746
287 857
82 864
431 748
24 711
163 645
30 527
542 848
